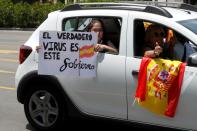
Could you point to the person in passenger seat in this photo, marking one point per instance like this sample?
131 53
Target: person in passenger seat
156 44
103 45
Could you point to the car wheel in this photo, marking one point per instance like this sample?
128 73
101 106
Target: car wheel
44 108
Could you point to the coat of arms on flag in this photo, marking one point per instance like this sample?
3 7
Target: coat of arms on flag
159 85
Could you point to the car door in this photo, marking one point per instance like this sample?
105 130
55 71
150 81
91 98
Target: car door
186 115
105 94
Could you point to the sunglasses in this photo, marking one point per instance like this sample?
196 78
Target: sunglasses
161 34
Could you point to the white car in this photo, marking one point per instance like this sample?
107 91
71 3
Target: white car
49 100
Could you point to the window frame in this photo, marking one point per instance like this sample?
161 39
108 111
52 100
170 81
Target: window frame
165 26
119 19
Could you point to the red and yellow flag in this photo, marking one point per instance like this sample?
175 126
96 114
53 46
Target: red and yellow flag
86 51
159 85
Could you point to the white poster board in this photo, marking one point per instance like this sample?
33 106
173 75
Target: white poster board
67 53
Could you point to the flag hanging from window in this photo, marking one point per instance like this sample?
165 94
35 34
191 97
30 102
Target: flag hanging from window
159 85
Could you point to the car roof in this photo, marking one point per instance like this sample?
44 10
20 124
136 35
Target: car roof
181 14
174 10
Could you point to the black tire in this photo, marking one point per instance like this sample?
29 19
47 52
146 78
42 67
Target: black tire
45 108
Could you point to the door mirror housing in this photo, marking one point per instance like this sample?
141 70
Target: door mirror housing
192 60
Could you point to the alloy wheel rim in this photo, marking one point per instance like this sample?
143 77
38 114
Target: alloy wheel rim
43 108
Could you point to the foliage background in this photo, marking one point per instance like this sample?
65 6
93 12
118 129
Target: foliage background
25 15
28 15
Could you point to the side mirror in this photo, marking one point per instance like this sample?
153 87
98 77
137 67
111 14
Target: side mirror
192 60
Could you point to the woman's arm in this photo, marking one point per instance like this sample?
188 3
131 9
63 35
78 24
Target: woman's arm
101 47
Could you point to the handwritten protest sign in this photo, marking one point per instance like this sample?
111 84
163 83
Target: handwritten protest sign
67 53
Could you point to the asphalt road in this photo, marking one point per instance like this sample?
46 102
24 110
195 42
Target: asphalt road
12 117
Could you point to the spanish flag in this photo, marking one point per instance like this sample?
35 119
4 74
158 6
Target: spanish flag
159 85
86 51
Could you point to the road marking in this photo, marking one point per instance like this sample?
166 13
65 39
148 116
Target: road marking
8 60
7 72
8 52
7 88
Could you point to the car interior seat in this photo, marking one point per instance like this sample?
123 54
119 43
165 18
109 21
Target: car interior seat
112 30
139 35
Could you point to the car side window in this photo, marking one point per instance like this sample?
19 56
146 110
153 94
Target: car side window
111 25
69 25
182 47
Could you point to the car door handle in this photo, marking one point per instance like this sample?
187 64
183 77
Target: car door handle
135 72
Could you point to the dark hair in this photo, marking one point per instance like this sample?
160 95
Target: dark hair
149 30
102 25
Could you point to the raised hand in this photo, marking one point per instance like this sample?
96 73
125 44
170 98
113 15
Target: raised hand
158 49
99 47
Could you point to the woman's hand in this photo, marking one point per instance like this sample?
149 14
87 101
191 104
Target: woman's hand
38 48
99 47
158 49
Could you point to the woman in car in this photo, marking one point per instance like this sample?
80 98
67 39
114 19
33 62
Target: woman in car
103 45
156 43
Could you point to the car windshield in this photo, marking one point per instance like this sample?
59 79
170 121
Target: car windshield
190 24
